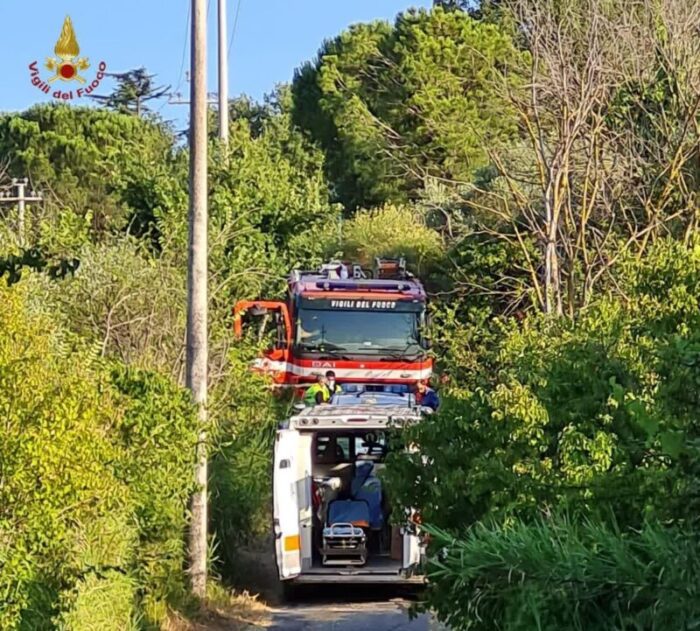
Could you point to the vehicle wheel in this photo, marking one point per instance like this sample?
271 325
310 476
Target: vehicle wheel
291 592
414 592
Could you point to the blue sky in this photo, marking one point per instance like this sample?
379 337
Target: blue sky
272 38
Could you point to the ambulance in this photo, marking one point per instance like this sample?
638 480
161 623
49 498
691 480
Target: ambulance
333 520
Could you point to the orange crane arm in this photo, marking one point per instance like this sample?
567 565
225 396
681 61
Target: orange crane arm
245 305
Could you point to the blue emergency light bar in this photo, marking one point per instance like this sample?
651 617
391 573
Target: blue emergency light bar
334 284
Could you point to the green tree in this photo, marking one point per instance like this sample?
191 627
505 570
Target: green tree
134 89
452 5
395 106
87 162
245 108
480 9
266 202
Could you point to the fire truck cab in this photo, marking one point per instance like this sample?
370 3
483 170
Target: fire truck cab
366 326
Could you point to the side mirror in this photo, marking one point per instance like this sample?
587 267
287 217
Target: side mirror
281 342
426 344
257 310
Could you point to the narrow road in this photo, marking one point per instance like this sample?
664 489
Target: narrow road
363 616
327 607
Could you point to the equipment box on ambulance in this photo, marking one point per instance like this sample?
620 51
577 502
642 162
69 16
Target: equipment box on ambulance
333 521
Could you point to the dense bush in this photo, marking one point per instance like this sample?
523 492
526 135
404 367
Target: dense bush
559 573
598 415
390 231
156 434
96 468
241 465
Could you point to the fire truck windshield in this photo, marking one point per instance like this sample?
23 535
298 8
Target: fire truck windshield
392 332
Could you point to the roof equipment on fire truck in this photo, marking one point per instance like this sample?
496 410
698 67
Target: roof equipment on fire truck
391 269
339 270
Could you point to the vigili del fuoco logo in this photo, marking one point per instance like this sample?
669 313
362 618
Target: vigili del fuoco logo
66 67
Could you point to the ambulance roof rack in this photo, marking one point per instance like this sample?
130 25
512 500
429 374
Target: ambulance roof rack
355 417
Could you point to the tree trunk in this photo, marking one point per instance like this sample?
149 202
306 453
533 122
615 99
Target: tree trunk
552 281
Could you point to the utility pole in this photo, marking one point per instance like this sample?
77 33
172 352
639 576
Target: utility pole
197 343
223 77
21 198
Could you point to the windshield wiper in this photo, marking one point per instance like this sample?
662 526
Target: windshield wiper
322 346
332 350
395 353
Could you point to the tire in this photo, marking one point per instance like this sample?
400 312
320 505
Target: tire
414 592
291 591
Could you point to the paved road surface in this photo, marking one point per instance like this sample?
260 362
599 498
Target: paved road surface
327 607
363 616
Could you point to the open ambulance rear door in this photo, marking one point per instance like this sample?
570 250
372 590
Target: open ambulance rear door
292 505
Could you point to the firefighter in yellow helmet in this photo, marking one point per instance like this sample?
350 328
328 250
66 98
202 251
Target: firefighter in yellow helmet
322 390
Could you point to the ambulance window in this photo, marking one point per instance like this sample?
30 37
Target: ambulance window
322 445
371 446
343 443
332 449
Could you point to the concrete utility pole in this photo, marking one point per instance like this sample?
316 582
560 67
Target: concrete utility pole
223 77
21 199
197 343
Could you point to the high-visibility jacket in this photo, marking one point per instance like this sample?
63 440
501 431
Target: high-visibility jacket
313 390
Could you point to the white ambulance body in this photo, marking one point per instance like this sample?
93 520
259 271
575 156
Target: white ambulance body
320 456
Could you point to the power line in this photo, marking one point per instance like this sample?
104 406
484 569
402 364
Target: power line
176 98
184 47
233 29
176 91
222 54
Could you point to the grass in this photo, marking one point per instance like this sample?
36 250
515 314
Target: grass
224 610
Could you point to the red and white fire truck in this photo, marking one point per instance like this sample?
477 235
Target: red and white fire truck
366 326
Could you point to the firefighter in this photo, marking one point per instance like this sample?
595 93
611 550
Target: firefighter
318 392
426 396
332 385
